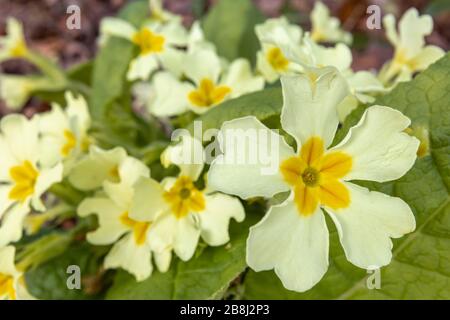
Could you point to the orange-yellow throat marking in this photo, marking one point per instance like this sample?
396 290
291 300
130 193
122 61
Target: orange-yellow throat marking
276 59
24 179
7 286
139 228
315 174
148 41
71 142
208 94
184 197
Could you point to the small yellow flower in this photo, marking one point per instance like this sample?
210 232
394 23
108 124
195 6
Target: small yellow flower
206 84
182 213
148 41
183 197
159 45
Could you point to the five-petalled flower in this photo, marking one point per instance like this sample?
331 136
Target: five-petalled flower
293 237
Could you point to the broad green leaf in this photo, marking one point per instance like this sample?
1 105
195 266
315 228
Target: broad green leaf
110 101
49 280
108 79
205 276
230 26
262 104
420 268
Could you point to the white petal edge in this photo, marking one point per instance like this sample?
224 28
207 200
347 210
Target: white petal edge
295 246
249 165
366 227
379 148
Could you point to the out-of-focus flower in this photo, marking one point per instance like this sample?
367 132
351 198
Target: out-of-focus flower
271 62
158 45
326 28
99 166
23 176
183 213
293 237
12 282
314 59
65 132
13 44
411 53
16 90
208 84
131 250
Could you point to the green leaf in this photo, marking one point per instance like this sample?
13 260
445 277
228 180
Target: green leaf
49 280
108 80
111 64
420 268
230 26
438 7
115 123
205 276
262 104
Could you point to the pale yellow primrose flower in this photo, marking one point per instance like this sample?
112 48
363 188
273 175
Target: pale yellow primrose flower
326 28
12 281
271 62
181 212
23 176
293 237
158 45
314 59
411 53
15 90
65 132
131 250
99 166
210 84
13 44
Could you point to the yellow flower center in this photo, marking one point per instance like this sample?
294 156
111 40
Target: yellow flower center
208 94
71 142
19 50
315 176
139 228
114 174
317 35
401 59
184 197
24 178
7 286
276 59
148 41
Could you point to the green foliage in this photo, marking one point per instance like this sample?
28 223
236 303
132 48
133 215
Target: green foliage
49 281
263 105
420 268
230 26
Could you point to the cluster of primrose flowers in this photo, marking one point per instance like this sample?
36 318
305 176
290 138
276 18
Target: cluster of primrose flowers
147 221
